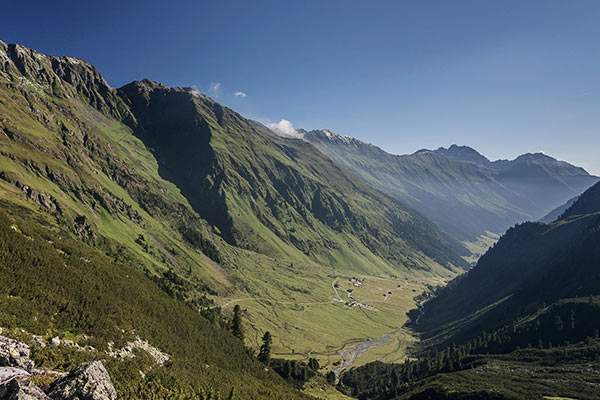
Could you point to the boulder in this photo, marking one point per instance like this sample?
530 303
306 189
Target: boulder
89 381
15 354
21 390
7 374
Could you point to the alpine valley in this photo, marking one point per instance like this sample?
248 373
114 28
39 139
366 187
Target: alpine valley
157 244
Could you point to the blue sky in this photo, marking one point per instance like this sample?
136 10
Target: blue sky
505 77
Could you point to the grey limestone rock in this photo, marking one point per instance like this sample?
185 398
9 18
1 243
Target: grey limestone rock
89 381
15 354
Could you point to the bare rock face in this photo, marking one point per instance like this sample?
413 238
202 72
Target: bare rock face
84 228
16 389
89 381
7 374
15 354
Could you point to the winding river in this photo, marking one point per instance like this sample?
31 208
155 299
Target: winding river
349 356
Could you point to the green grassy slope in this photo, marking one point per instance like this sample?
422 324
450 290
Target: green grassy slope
85 164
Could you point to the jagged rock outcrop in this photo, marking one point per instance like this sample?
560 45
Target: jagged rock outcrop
89 381
43 199
60 76
84 228
15 368
15 354
21 390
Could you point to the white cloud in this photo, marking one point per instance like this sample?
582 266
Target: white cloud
195 91
214 89
284 128
239 94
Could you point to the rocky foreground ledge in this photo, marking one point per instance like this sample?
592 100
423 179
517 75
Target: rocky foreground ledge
89 381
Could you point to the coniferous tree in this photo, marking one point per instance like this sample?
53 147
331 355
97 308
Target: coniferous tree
331 377
572 319
264 354
395 379
236 323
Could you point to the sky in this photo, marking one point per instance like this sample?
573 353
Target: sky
504 77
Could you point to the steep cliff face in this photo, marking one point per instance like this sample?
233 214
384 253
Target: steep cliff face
177 125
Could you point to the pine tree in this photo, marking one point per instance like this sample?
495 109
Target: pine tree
395 379
236 323
331 377
572 319
286 369
264 354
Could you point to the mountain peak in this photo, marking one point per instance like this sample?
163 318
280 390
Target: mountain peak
332 136
463 153
63 77
539 156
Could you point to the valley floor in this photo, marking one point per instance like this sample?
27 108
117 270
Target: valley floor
342 320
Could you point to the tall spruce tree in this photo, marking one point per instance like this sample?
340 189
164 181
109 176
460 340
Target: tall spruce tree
264 354
236 323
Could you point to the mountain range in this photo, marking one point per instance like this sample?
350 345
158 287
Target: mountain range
147 223
461 190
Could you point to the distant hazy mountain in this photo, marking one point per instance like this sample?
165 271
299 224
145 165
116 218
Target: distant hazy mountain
462 153
458 188
558 211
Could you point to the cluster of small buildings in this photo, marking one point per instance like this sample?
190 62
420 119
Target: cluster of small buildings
356 281
354 303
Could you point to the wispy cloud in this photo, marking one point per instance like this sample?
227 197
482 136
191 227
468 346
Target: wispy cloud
587 94
284 128
239 94
195 91
214 89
